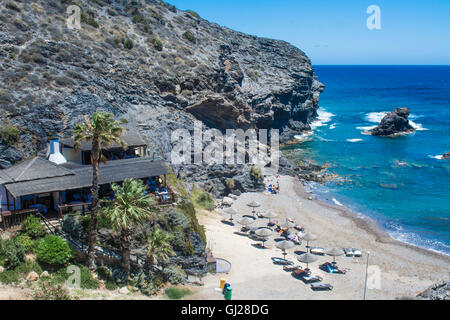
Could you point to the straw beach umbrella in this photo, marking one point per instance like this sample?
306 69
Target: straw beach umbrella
335 252
231 212
269 215
254 205
264 234
246 221
307 258
309 237
285 245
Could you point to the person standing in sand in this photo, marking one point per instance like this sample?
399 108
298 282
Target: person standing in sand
277 187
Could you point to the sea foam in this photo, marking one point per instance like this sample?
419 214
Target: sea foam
376 117
438 157
323 118
355 140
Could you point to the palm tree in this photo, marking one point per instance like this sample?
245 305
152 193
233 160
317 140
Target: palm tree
158 247
130 208
102 131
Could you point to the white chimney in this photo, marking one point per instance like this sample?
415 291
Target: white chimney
55 155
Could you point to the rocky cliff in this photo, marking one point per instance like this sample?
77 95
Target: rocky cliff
147 61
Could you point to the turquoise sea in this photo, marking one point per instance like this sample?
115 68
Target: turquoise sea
400 182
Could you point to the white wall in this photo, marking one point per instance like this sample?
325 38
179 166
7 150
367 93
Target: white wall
72 155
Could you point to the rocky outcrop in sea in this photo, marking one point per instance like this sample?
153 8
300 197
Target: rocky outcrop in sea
394 123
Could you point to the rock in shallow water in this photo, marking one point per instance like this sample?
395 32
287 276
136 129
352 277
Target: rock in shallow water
394 123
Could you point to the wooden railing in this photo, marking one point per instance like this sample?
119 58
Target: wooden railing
85 208
14 218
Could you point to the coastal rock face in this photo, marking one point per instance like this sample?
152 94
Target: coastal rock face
157 66
439 291
394 123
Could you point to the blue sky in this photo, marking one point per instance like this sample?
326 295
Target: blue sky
335 32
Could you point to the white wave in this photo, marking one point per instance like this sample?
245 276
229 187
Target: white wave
438 157
323 118
366 128
304 136
376 117
355 140
333 126
397 232
337 202
417 126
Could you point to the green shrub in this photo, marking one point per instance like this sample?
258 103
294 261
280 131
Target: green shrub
28 266
148 284
14 253
72 225
106 275
50 291
86 279
188 249
142 23
158 17
193 14
176 218
111 285
138 18
102 222
206 201
9 277
157 44
230 184
27 242
255 173
54 251
146 28
189 36
174 274
32 227
189 210
117 40
128 44
88 18
175 293
9 134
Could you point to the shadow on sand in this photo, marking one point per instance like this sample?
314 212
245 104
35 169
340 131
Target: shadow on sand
260 246
228 223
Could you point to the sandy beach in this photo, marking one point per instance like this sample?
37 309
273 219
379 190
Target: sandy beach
405 270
